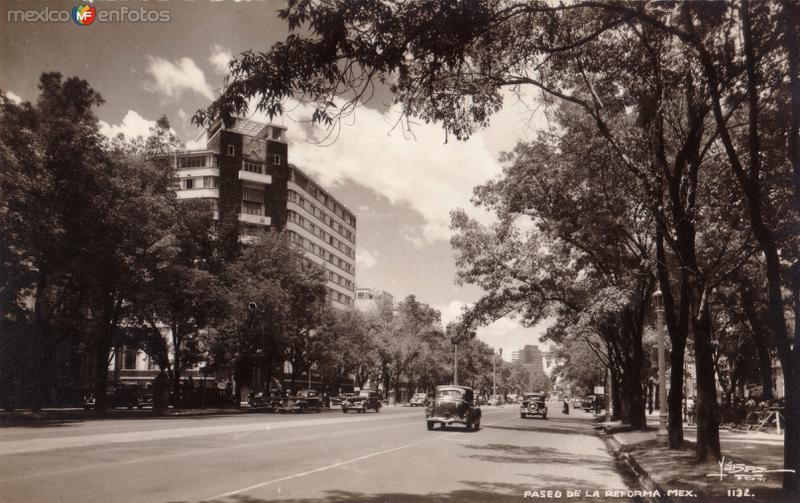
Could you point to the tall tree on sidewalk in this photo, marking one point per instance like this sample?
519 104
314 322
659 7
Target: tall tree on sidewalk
51 157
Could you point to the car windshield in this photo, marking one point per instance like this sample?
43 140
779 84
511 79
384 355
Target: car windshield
533 397
450 393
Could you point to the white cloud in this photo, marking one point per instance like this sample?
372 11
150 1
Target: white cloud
132 125
172 79
198 143
419 170
220 57
366 259
13 98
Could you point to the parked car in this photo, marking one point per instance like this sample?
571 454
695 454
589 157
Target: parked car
453 405
117 396
307 399
367 399
418 400
533 404
577 403
262 400
594 402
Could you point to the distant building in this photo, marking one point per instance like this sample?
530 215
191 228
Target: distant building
530 358
369 299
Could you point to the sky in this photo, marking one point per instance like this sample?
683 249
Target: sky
400 186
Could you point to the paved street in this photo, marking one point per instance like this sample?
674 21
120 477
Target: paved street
328 457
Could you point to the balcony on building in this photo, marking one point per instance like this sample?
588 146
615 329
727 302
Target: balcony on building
249 176
254 219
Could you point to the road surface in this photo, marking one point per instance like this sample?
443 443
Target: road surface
310 458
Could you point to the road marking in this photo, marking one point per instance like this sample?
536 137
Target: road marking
340 463
310 472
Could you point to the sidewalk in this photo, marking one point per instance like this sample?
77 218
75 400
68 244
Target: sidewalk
667 472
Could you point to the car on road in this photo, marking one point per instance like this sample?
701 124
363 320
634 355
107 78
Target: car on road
305 400
577 402
495 400
453 405
594 402
533 404
418 400
117 396
367 399
336 401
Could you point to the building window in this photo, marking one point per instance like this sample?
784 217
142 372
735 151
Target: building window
210 182
253 167
192 162
252 195
231 150
129 359
188 183
276 159
252 208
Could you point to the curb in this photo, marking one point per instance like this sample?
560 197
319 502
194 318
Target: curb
26 418
645 480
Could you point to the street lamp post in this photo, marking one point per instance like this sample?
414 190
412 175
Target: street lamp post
494 373
455 364
661 437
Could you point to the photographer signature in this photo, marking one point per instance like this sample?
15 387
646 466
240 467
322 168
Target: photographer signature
741 471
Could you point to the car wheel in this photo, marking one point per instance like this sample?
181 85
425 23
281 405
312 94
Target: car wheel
521 416
430 425
469 425
478 425
344 411
544 416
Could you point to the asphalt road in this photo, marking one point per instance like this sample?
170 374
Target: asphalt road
328 457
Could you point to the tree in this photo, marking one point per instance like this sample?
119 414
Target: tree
275 310
398 336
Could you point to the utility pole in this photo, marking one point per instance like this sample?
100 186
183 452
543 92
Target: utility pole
494 373
455 364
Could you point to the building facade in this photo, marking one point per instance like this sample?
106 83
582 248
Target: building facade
245 174
530 358
369 299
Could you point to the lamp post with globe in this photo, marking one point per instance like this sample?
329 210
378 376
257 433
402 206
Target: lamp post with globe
658 305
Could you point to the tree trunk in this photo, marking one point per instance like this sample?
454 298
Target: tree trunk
634 396
791 440
758 331
708 448
101 372
176 364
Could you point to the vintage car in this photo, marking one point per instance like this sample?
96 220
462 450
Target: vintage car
495 400
262 400
117 396
594 402
533 404
367 399
418 400
308 399
453 405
